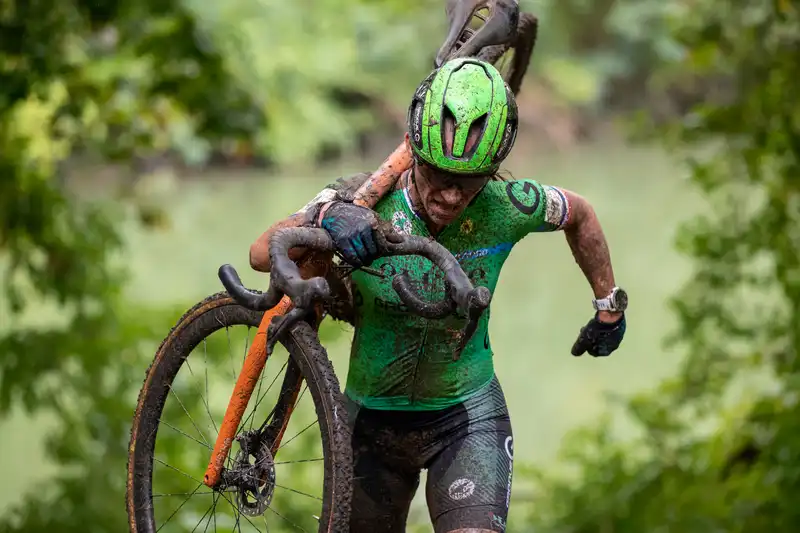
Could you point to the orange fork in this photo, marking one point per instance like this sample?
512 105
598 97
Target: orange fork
373 189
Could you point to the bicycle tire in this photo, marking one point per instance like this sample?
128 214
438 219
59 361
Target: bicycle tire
216 312
523 45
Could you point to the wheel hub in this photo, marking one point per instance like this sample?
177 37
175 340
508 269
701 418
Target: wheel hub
252 474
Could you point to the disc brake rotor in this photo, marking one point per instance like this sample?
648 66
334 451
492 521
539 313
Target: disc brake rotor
253 474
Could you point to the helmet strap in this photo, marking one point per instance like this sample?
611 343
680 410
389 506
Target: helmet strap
412 176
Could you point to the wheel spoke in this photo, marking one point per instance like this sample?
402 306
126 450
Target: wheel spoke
298 461
230 352
178 470
290 522
165 506
260 399
209 492
213 515
301 432
237 513
246 345
202 436
202 517
205 445
204 398
299 492
179 507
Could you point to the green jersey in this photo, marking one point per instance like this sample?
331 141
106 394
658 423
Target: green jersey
401 361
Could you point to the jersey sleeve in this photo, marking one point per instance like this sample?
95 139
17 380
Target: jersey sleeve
534 207
344 187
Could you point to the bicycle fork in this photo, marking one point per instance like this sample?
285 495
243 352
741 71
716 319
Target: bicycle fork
245 385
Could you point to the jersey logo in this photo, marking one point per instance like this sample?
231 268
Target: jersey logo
530 205
503 247
401 223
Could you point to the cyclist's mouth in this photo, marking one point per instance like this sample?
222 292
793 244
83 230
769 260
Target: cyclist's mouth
442 213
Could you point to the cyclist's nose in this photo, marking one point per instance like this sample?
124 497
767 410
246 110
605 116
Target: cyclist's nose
452 196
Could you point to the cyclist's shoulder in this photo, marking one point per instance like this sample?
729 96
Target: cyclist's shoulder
513 192
343 188
526 205
503 184
346 186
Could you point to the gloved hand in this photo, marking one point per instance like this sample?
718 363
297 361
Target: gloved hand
352 229
599 338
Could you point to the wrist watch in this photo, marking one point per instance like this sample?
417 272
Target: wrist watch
615 302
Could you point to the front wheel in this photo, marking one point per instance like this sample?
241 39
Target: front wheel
304 475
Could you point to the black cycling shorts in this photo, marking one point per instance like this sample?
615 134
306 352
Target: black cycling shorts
467 450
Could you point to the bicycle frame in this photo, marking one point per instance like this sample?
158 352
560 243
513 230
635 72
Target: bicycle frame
368 195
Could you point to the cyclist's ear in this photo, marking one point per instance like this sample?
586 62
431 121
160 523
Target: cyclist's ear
407 140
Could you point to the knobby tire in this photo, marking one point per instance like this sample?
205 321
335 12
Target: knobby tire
214 313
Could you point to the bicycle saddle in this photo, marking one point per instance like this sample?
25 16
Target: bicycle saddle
499 23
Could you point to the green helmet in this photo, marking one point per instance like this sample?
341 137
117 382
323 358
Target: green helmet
474 94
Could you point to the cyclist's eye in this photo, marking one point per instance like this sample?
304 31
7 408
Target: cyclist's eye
474 183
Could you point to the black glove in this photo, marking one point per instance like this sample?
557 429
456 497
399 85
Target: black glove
599 338
352 229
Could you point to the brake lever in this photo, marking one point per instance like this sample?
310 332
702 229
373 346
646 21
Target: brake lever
477 302
278 327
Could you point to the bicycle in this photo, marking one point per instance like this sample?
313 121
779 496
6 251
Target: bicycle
251 476
288 303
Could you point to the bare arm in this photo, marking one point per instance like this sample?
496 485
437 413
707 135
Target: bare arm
590 249
259 250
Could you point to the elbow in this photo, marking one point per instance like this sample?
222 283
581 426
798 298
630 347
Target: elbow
259 257
580 211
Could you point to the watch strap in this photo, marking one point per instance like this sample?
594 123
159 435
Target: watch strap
603 304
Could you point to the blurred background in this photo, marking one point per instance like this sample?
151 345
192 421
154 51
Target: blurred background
143 144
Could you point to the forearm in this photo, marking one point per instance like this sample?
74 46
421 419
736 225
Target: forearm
589 246
259 250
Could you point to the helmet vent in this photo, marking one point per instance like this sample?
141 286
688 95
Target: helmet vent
448 129
474 135
476 131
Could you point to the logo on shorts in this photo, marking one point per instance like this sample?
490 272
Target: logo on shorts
461 489
497 521
510 447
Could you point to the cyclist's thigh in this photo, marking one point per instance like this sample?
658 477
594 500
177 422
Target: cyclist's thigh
383 486
469 481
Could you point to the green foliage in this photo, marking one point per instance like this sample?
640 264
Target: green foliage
709 458
304 65
87 375
601 53
112 80
124 79
115 79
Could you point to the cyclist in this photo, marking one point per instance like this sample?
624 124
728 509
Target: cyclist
411 405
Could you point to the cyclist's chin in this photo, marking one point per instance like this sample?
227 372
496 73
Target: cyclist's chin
441 217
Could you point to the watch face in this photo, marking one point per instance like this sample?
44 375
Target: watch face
620 300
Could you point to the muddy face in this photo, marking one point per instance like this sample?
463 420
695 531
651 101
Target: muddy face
442 196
